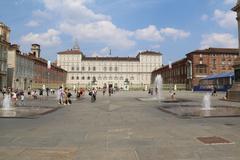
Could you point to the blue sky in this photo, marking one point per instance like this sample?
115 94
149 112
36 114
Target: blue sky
172 27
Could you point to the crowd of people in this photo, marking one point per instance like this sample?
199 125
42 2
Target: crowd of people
64 95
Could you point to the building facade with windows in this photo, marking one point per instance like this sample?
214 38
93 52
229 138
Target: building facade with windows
4 45
121 72
20 69
45 76
198 64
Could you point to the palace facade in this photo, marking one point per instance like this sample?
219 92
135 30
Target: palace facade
121 72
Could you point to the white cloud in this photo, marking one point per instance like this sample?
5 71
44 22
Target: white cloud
230 1
104 52
32 23
100 32
48 39
219 40
73 10
74 18
204 17
174 33
151 33
226 19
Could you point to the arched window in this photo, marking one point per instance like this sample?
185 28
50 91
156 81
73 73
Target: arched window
72 68
77 78
83 68
72 77
83 77
94 68
104 68
88 78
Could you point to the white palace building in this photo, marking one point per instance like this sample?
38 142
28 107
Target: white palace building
121 72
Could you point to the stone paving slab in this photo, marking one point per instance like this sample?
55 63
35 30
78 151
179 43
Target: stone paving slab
38 153
118 127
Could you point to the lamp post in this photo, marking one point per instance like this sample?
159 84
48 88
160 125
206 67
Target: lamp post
170 78
48 73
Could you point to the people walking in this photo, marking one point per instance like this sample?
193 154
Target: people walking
93 94
60 95
69 95
22 103
104 90
4 90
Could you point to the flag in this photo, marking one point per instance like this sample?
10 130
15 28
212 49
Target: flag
49 64
170 64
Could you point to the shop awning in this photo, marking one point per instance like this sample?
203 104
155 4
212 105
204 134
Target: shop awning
221 75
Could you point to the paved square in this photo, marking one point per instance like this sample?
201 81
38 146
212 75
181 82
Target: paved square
119 127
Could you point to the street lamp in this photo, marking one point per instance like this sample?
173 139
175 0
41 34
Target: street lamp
48 73
170 76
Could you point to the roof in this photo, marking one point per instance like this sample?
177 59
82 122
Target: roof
149 53
77 51
221 75
44 61
70 52
217 51
178 62
111 58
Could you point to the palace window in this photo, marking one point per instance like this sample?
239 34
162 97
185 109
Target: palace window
72 68
72 77
104 68
77 68
89 68
201 68
110 68
77 78
83 68
83 77
88 78
116 69
94 68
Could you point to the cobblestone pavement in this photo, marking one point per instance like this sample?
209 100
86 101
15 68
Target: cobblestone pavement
119 127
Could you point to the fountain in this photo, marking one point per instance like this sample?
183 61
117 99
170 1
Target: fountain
7 106
206 103
158 87
8 110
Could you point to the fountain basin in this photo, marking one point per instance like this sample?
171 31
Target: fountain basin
26 112
195 111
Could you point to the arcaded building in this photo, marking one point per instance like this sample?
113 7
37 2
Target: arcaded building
45 74
4 45
198 64
121 72
20 69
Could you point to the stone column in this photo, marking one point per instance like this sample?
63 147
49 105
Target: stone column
234 92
